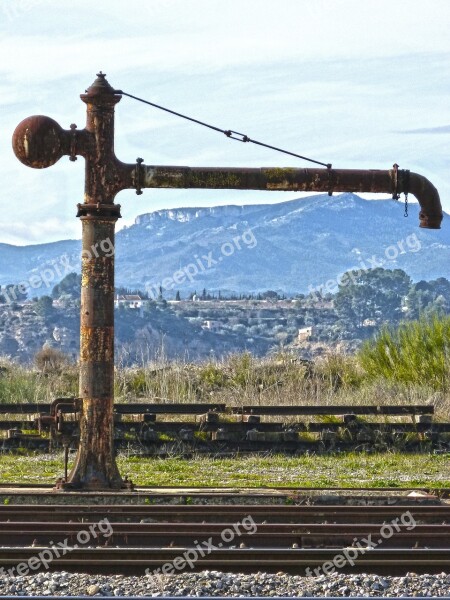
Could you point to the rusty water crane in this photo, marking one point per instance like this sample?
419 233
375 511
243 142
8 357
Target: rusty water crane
40 142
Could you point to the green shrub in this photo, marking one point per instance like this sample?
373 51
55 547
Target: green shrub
21 384
414 353
339 371
212 376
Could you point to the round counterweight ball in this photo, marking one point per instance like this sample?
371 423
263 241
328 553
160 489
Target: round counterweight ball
38 142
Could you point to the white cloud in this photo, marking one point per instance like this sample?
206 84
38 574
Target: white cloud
179 35
331 79
38 231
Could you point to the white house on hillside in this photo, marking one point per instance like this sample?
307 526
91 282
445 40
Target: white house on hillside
212 325
305 334
130 301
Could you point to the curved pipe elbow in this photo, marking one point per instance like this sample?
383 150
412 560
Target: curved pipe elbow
431 214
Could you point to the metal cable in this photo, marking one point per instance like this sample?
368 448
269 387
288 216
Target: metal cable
233 135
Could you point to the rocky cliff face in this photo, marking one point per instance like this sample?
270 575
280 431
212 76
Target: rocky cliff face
289 247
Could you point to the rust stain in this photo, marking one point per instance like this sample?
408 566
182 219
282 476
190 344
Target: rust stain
96 344
98 273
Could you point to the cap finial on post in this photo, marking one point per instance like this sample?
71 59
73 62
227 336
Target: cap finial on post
100 86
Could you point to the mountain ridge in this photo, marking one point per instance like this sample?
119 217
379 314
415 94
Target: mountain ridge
291 246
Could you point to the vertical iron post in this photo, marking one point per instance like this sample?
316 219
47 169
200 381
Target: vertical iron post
95 466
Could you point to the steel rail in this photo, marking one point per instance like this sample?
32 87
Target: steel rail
217 513
213 490
243 426
198 409
277 537
132 547
232 509
166 529
136 560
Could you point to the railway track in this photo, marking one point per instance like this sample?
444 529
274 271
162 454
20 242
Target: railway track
129 539
187 428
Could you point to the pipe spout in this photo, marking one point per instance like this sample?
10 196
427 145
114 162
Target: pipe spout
430 215
394 181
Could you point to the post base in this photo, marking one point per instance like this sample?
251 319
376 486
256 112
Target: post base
61 485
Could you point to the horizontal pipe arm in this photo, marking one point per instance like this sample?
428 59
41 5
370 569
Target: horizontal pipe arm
294 180
39 142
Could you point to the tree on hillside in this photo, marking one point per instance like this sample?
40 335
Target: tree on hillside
69 286
269 295
375 294
124 291
44 306
428 297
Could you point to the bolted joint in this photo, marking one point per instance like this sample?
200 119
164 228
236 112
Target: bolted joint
99 211
73 143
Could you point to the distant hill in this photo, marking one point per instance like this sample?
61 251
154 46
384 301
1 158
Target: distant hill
286 247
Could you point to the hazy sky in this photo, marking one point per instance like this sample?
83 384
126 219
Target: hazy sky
361 84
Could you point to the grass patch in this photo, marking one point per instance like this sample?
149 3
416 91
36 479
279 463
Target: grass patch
346 470
22 384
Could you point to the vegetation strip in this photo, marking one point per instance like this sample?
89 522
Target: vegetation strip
353 470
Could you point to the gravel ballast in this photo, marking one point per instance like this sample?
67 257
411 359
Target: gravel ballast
215 583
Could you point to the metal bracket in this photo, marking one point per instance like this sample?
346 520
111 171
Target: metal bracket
330 179
138 176
73 143
98 210
395 194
